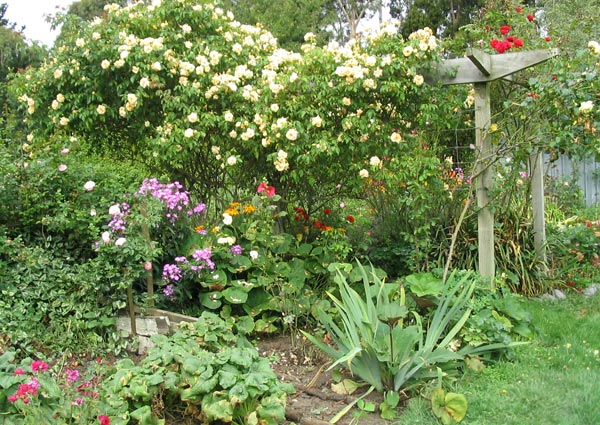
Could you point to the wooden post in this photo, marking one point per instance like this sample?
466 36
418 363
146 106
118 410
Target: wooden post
537 199
480 69
485 216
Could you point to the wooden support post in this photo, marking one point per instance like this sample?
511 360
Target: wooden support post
537 199
485 216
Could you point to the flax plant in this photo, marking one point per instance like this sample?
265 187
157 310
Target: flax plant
377 338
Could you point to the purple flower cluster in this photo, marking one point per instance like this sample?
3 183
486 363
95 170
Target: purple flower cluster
236 249
198 209
172 194
203 257
169 290
172 272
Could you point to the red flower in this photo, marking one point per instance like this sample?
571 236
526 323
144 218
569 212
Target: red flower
261 187
548 38
487 28
503 46
504 29
518 43
518 10
350 219
19 371
530 18
327 211
104 420
494 43
554 78
510 38
270 191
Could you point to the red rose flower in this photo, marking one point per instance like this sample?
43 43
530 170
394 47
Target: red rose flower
518 10
350 219
487 28
548 38
518 43
494 43
327 211
530 18
504 29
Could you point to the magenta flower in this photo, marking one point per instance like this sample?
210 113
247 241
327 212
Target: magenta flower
72 375
38 365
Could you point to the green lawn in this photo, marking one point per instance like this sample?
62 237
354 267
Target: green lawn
553 381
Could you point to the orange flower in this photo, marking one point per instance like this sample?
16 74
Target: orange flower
249 209
232 211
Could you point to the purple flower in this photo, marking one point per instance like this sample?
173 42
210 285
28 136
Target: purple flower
172 272
236 249
169 290
203 256
198 209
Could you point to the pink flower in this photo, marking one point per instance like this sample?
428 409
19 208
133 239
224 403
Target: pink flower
147 266
89 185
62 167
104 420
12 398
264 188
65 151
120 242
72 375
38 365
19 371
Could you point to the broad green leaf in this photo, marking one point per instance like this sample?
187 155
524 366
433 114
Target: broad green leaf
423 284
235 295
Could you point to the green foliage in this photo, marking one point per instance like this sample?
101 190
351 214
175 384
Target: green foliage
208 368
380 340
449 407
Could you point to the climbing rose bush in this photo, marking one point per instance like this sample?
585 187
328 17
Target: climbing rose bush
178 84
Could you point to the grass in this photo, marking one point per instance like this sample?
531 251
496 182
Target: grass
553 381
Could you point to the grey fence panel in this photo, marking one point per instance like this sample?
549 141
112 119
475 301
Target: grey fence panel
586 172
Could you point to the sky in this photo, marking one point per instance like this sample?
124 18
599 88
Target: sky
31 14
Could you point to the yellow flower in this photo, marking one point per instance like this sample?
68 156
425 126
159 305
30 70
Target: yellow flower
249 209
232 211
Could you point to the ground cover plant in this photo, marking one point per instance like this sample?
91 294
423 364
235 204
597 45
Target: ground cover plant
166 155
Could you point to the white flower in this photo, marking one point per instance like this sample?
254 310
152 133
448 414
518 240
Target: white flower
89 185
114 209
228 116
346 101
232 160
156 66
594 47
274 107
281 154
55 104
120 242
95 36
188 133
291 134
101 109
407 51
215 150
193 117
105 64
29 137
396 137
63 121
144 83
363 173
227 219
80 42
586 107
316 121
58 73
106 237
418 79
62 167
253 254
186 28
375 161
93 213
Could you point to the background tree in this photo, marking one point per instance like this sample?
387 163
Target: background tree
445 17
350 13
289 21
15 53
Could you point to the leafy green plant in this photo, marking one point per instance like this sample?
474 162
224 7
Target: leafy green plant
207 369
379 340
32 391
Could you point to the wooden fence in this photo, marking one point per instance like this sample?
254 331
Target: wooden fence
586 173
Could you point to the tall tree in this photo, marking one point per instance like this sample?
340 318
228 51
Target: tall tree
351 12
572 23
445 17
289 21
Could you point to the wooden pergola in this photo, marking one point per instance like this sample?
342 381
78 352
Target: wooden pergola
480 69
